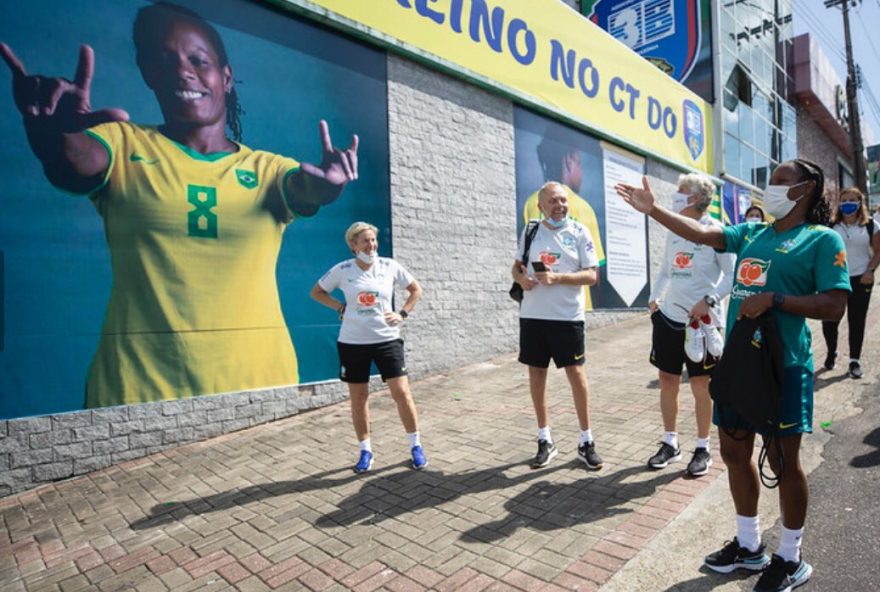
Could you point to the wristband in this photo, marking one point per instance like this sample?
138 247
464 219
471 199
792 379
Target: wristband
403 314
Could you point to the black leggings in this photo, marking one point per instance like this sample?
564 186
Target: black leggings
856 312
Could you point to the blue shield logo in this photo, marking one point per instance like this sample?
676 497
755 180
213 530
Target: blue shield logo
665 32
693 128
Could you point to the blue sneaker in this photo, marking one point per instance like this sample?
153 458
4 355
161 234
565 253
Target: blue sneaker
365 462
419 461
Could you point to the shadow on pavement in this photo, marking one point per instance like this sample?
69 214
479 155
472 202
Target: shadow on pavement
820 381
161 514
711 580
871 459
550 506
389 497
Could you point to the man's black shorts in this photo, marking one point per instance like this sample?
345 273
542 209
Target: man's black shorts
667 349
541 340
355 360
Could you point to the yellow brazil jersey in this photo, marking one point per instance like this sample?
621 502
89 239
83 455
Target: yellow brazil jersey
580 210
194 241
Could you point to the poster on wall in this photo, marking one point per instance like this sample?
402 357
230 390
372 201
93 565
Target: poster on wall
736 200
547 150
168 252
674 35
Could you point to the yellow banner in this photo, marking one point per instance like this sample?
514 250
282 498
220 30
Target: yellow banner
545 52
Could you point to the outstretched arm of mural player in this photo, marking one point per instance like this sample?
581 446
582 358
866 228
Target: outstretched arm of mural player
313 186
56 112
642 200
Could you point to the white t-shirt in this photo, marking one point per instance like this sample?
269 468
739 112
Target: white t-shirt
858 245
367 298
566 250
688 273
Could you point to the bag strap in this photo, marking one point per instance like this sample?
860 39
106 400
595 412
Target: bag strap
531 231
870 227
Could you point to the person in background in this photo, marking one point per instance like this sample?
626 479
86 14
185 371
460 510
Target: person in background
792 269
370 332
861 235
693 281
754 214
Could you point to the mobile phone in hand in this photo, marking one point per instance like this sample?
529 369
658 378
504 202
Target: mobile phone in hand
539 266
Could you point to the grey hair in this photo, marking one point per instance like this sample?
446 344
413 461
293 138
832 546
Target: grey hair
699 185
355 229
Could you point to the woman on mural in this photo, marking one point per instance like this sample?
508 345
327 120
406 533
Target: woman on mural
793 269
861 235
370 332
193 219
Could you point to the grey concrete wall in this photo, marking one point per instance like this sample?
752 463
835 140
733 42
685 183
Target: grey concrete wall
454 224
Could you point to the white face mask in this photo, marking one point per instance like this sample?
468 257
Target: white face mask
679 201
776 200
753 219
368 259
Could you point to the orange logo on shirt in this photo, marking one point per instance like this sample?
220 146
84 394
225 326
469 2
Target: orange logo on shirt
548 258
367 298
682 260
840 259
752 272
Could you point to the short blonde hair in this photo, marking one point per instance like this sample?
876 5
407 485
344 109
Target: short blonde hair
355 229
701 186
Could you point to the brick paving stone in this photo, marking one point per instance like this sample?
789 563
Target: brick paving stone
316 580
569 581
233 572
588 571
522 580
376 581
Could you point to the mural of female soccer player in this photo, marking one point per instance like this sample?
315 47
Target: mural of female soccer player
193 217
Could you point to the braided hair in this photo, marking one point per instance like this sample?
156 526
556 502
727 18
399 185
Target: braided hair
152 22
820 210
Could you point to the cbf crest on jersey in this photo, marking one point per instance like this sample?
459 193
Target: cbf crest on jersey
692 118
665 32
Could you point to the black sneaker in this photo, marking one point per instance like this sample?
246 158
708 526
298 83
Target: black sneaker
664 456
829 360
700 463
546 452
588 454
782 575
732 556
855 370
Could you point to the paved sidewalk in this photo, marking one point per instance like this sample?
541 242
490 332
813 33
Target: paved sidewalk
277 507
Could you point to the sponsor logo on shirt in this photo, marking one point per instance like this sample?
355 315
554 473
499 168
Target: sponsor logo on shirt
840 259
247 179
367 299
683 260
549 258
786 246
752 272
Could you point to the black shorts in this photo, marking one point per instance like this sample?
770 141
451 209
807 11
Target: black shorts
355 360
667 349
540 340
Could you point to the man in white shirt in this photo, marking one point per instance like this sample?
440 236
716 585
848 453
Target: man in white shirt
693 281
561 261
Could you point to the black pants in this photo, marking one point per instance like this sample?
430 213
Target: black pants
856 312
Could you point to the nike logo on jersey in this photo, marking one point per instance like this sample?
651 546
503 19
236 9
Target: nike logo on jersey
138 158
579 357
785 426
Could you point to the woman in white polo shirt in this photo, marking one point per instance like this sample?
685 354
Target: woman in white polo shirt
370 332
861 235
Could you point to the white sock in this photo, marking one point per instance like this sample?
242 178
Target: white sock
851 360
586 436
703 443
365 445
790 544
414 439
544 434
671 438
748 532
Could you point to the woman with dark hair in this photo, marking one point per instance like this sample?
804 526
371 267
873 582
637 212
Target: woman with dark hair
755 214
193 219
792 269
861 235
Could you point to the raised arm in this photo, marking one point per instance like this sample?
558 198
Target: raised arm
56 112
314 186
642 200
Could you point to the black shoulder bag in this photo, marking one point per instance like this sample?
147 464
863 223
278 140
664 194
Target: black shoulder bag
748 380
516 291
